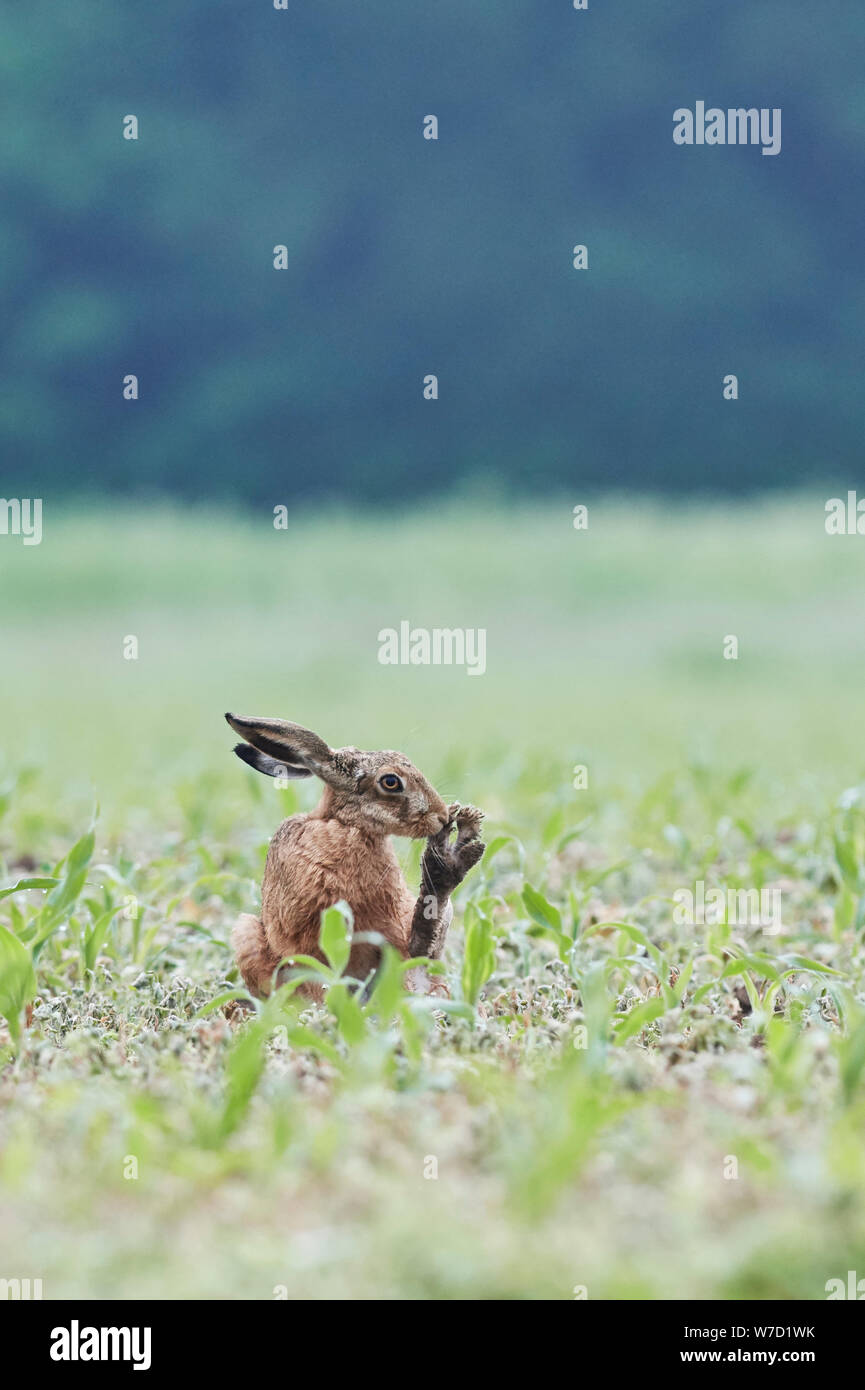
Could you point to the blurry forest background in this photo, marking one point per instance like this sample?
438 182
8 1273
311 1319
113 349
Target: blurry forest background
303 127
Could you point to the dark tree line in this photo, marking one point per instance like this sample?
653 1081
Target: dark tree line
409 257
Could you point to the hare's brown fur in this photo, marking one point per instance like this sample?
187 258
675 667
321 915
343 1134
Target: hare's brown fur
342 851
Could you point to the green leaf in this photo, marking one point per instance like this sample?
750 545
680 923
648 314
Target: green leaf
542 911
806 963
639 1018
17 981
318 967
639 937
244 1068
335 935
420 1004
498 844
76 863
350 1020
756 962
596 1014
553 827
221 999
387 992
674 994
845 910
851 1051
94 939
301 1036
479 956
24 884
847 859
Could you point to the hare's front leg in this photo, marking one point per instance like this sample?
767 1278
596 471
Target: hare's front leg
443 866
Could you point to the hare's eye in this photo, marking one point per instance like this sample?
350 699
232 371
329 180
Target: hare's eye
390 782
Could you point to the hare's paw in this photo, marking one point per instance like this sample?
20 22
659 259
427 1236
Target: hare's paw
468 855
446 862
468 823
468 847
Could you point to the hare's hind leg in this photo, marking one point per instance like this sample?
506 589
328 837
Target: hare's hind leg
255 959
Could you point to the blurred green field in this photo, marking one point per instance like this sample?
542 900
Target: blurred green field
292 1153
604 646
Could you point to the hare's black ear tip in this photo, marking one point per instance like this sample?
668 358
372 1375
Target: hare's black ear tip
229 719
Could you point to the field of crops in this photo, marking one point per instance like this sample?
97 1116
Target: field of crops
620 1100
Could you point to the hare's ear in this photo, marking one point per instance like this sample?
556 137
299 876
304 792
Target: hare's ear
269 766
299 751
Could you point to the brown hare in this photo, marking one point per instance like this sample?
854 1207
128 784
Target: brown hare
342 850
